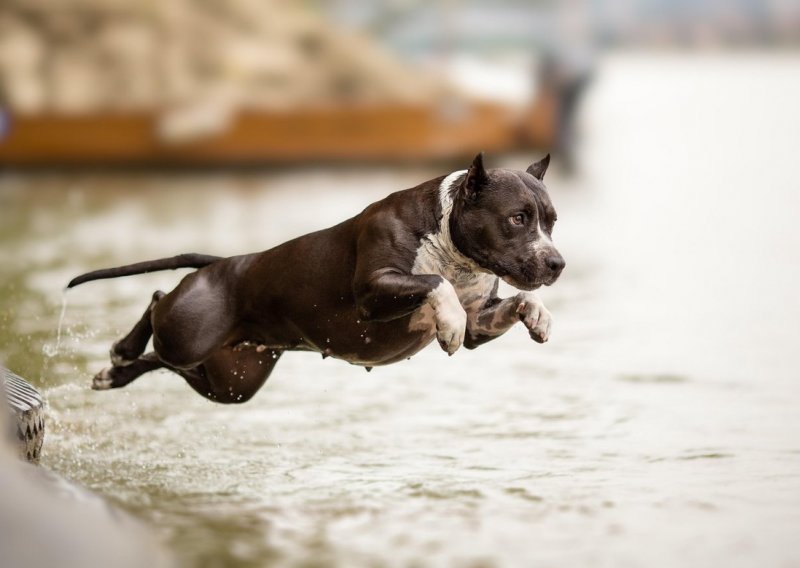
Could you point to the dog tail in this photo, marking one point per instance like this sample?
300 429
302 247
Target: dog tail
188 260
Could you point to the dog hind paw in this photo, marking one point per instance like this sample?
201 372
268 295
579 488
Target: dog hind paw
103 380
117 359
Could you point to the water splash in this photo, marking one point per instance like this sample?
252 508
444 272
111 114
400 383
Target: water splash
48 349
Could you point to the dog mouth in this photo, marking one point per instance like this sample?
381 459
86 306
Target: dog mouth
527 277
527 285
521 285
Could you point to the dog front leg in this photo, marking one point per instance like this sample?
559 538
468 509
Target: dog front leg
389 294
497 316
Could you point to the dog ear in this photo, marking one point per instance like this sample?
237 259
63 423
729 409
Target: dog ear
538 169
476 177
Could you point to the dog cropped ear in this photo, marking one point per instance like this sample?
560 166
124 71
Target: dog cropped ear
476 177
538 169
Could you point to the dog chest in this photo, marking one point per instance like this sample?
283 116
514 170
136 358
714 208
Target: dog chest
472 287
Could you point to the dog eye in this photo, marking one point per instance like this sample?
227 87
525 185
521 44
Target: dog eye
517 219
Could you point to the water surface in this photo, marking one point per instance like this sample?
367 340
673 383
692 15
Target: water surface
659 426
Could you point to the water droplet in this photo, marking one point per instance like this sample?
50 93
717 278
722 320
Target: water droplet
51 351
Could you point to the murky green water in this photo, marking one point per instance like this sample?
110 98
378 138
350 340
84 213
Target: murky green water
659 427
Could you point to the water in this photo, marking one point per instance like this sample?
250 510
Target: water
658 427
53 350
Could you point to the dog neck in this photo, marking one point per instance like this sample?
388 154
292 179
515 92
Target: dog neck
437 254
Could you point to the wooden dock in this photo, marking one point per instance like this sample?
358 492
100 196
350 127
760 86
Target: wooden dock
376 133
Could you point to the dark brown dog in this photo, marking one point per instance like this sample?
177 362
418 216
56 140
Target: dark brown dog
372 290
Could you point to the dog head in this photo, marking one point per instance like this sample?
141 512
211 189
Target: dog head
503 220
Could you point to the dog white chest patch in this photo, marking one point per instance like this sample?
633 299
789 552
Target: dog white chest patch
470 284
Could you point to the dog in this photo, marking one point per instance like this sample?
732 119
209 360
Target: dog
423 263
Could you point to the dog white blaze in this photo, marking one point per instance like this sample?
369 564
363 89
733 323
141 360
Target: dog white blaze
543 238
543 244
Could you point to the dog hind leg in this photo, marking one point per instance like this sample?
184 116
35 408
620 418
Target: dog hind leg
194 321
121 375
130 348
232 375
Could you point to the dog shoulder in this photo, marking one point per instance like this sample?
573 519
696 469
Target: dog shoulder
402 218
387 234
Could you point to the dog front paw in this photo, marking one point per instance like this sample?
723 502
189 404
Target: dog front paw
534 316
450 317
450 333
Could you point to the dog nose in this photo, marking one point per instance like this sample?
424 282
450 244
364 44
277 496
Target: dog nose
555 263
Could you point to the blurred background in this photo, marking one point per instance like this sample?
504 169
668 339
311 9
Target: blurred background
659 425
